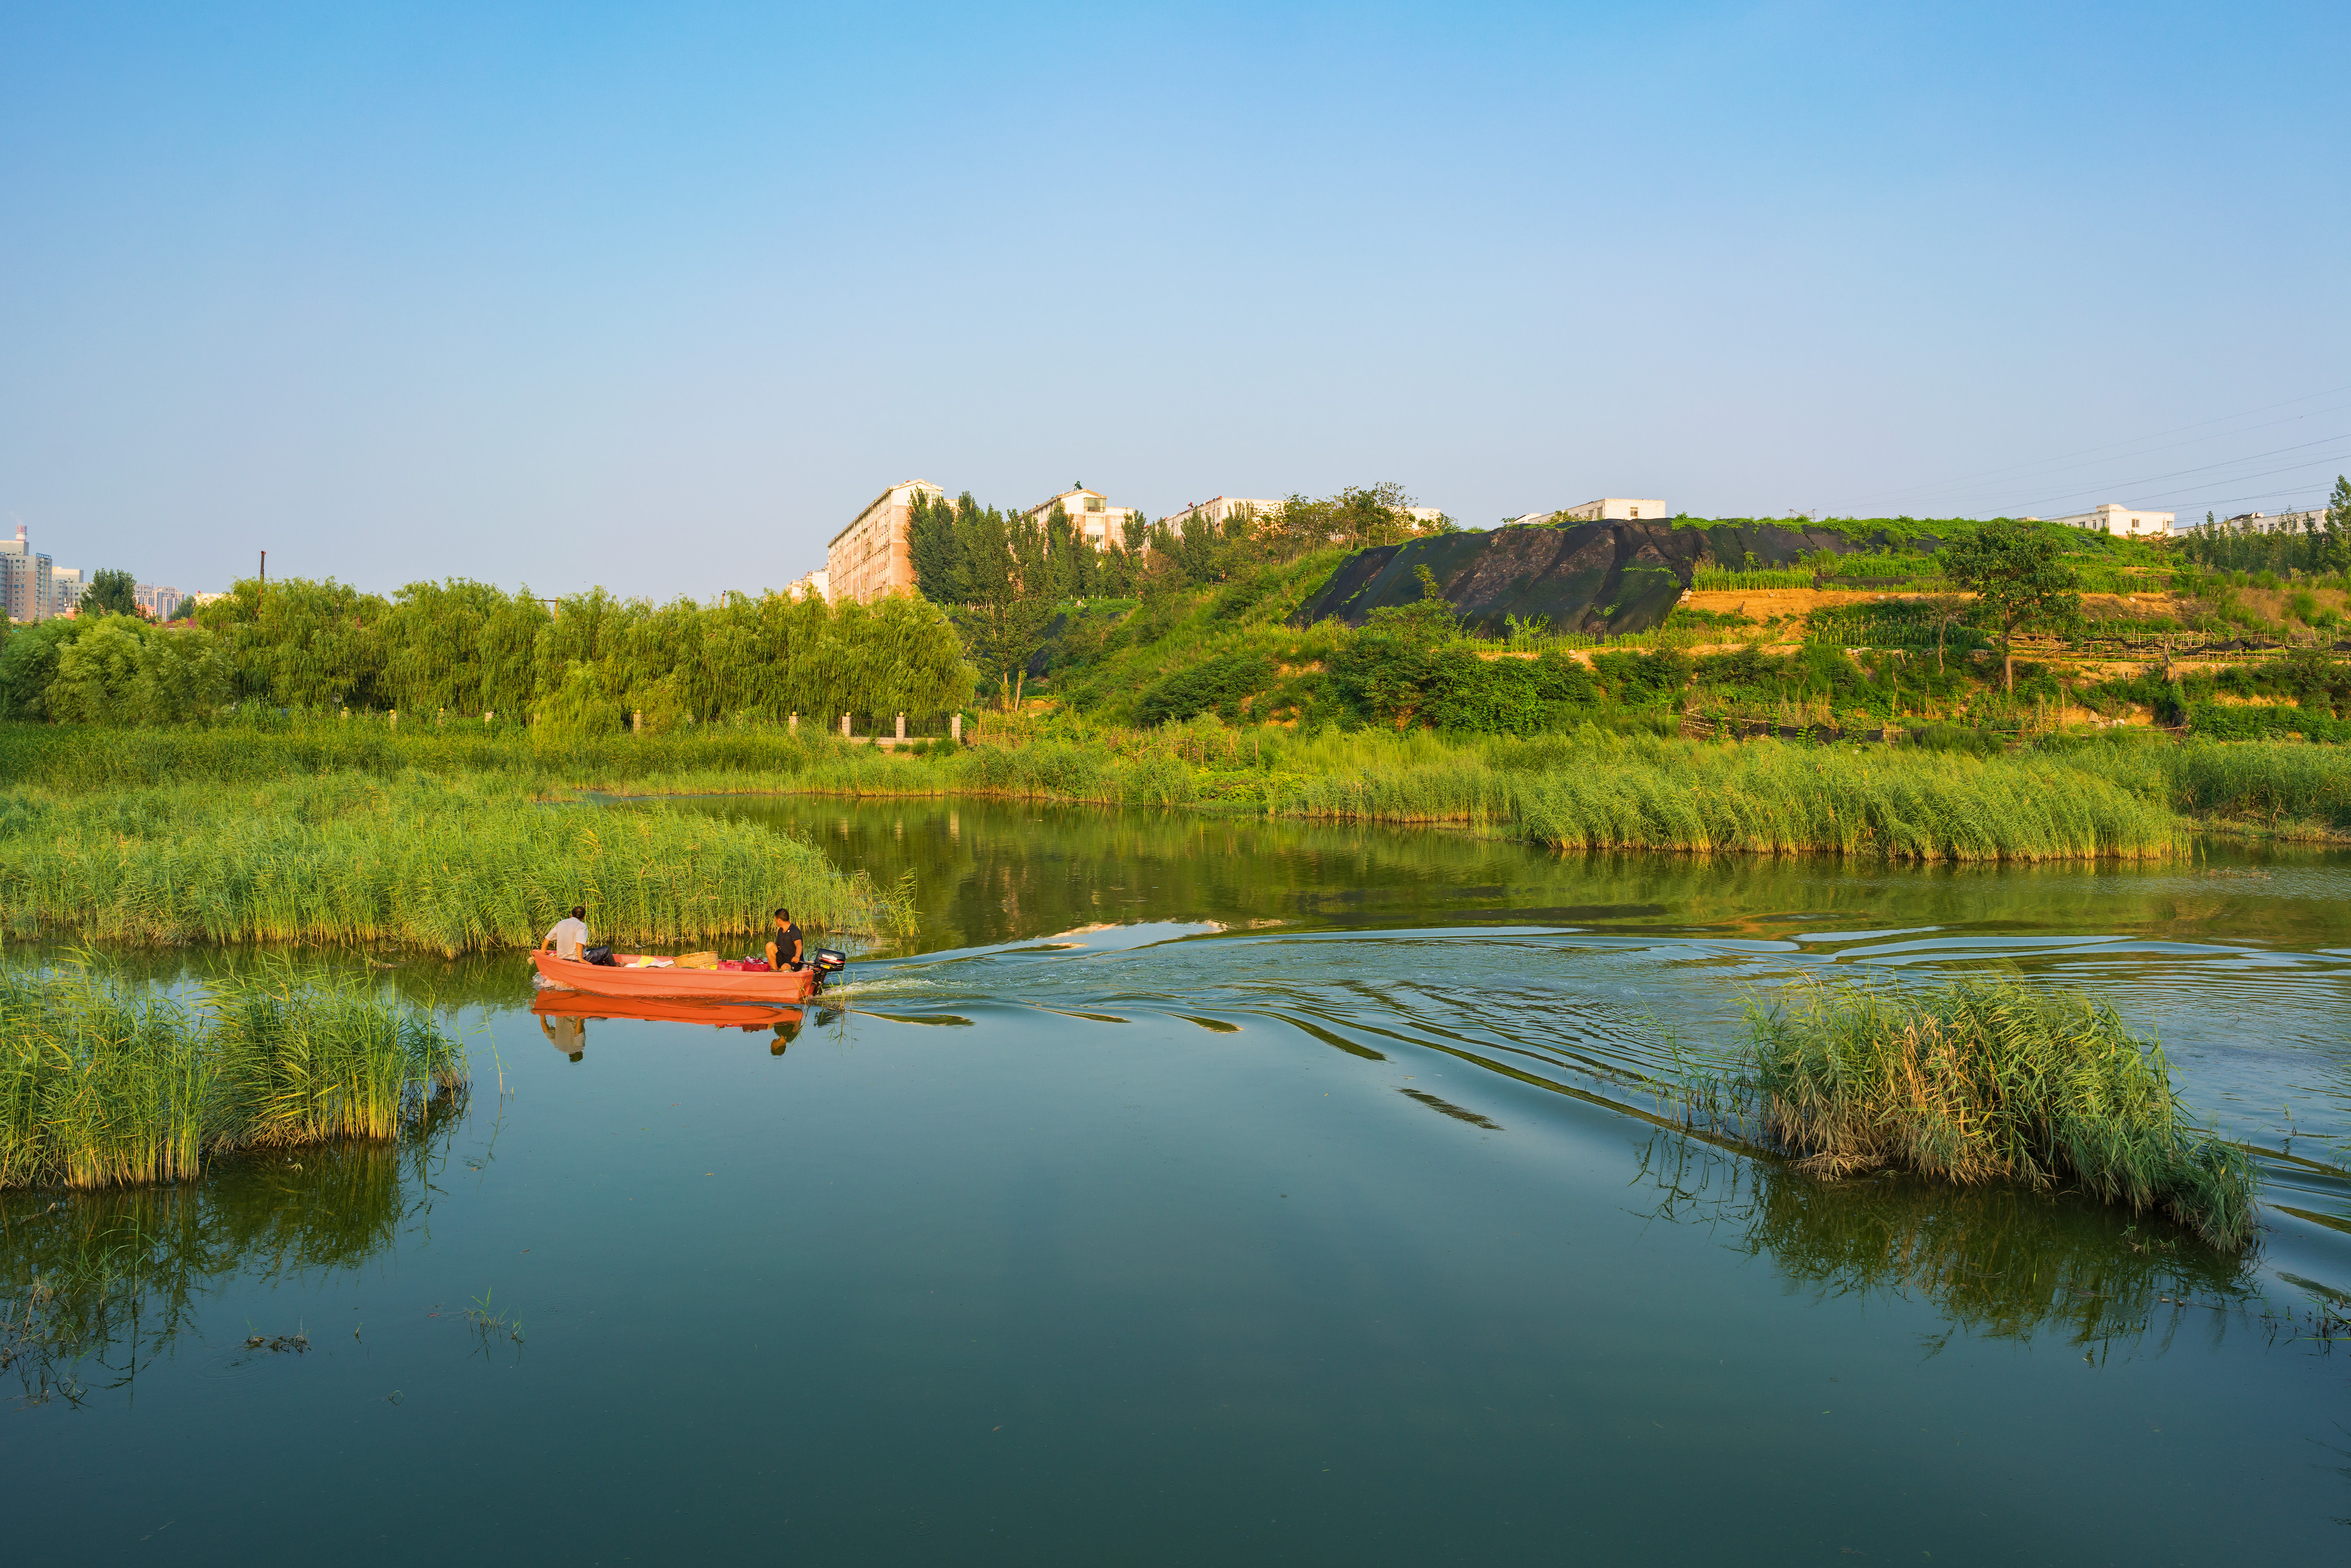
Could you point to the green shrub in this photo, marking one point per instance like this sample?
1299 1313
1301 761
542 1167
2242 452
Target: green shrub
1217 686
1989 1081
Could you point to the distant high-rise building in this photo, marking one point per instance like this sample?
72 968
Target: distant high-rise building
160 602
817 584
65 589
871 556
26 582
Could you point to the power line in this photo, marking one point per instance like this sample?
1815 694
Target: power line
2226 462
2083 451
2265 495
2246 431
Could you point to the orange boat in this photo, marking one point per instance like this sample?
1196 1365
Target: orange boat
771 985
665 1010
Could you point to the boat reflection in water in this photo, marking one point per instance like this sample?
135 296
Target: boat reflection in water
563 1017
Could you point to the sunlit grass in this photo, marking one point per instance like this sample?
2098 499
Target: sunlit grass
453 866
1980 1081
101 1085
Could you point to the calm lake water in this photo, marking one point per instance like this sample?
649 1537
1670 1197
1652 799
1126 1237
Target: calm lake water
1204 1191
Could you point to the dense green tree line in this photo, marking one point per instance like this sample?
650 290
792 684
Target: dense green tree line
111 669
583 664
2320 548
1006 572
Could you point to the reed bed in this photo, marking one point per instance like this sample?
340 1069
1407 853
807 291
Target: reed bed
100 1086
1762 797
1771 799
453 867
1978 1082
329 832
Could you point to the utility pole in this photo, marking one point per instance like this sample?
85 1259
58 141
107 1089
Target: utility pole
265 581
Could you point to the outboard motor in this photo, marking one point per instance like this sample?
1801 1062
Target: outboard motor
826 961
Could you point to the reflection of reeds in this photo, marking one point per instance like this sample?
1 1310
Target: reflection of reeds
117 1274
99 1086
1997 1260
1980 1081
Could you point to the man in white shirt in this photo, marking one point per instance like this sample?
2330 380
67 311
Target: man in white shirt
569 935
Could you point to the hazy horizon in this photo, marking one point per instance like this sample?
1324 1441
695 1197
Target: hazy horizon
661 300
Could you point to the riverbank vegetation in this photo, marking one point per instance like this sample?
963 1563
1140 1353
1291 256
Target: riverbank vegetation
452 863
1977 1081
101 1085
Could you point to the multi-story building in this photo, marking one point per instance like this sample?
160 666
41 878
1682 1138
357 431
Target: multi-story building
161 603
2268 523
817 584
65 589
26 582
1097 522
1612 510
870 557
2114 518
1218 510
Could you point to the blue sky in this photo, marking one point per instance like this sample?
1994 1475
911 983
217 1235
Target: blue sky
658 296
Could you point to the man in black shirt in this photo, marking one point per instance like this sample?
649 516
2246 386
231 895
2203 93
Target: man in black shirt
784 948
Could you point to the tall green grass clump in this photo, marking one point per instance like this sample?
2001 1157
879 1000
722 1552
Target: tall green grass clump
1592 791
1985 1081
99 1086
455 867
1769 797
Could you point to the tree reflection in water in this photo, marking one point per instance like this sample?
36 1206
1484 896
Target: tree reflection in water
1999 1261
111 1279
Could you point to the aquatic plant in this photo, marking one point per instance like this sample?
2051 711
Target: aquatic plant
454 867
1980 1081
101 1085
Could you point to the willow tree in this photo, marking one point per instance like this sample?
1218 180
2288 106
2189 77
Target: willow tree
301 643
465 646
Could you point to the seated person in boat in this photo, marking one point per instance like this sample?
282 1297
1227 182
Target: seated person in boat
569 935
784 947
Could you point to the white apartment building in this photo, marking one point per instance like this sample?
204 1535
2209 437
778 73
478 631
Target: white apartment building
2114 518
65 589
1220 508
28 588
871 556
2268 523
817 584
1097 522
161 603
1610 509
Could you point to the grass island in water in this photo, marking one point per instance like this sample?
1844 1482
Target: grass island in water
1975 1081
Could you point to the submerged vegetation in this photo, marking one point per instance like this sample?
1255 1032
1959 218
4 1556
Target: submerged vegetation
1977 1081
101 1085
